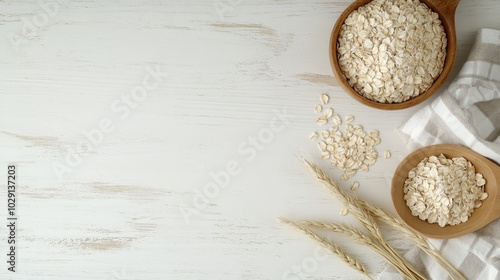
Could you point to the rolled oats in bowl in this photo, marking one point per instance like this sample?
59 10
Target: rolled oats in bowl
391 51
444 191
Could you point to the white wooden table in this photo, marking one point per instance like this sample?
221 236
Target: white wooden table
122 116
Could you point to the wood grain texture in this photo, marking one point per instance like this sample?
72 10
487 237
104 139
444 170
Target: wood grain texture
117 213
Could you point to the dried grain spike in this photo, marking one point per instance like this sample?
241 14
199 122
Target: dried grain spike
344 211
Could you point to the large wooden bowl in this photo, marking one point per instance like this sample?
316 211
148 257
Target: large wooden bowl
445 9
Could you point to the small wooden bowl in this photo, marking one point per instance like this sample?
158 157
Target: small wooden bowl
488 212
445 9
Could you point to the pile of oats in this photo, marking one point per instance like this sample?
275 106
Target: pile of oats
391 50
444 191
350 150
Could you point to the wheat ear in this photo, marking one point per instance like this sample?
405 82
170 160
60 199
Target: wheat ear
365 218
353 232
331 246
421 242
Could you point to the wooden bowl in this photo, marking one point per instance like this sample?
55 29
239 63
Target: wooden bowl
446 11
488 212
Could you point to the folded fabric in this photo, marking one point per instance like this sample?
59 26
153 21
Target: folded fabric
466 113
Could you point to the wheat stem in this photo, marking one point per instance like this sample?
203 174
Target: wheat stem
363 216
331 246
421 242
359 237
369 222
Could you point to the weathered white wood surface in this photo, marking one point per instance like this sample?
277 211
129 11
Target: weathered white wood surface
115 212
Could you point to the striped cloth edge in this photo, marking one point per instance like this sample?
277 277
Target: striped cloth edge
467 113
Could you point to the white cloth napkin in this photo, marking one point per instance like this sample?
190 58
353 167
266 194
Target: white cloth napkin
467 113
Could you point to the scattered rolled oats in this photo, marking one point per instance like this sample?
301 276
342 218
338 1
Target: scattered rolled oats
337 120
444 191
354 186
329 113
330 148
324 98
350 150
325 134
387 154
322 146
374 133
322 120
391 50
318 108
314 136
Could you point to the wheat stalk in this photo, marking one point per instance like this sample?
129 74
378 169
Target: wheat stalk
331 246
365 218
353 232
421 242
